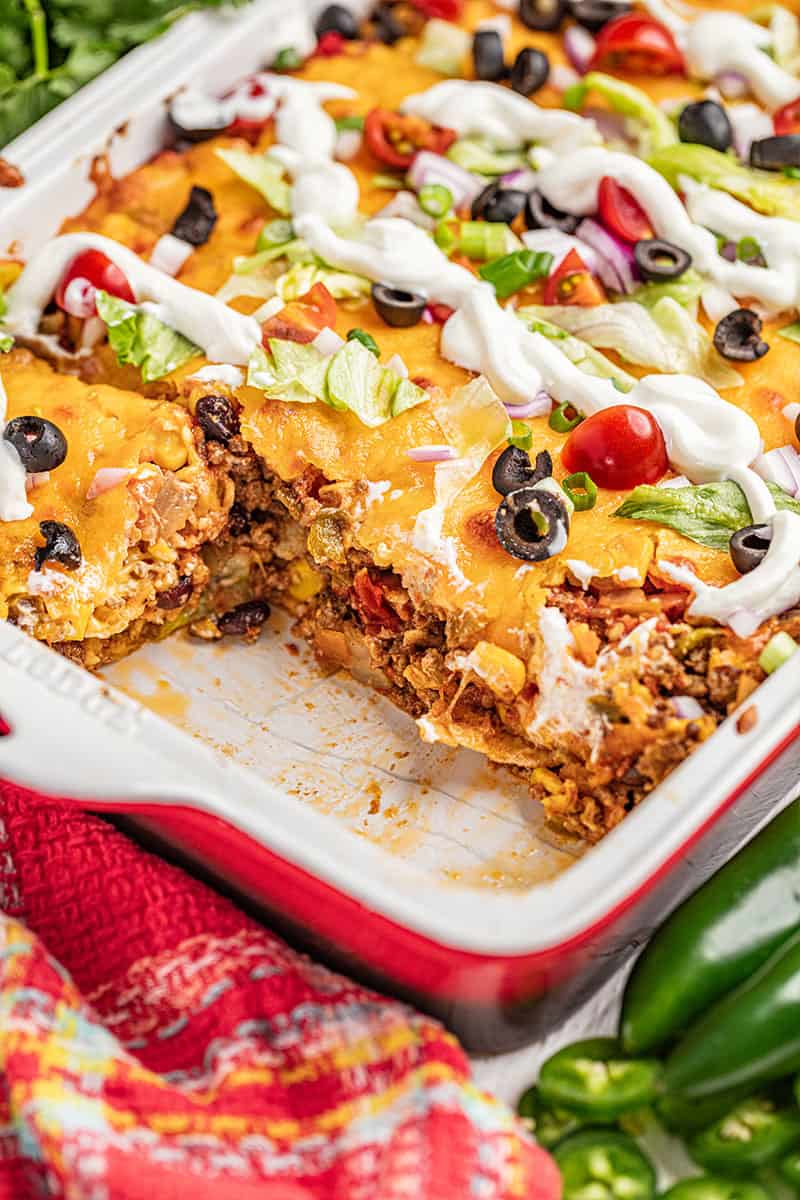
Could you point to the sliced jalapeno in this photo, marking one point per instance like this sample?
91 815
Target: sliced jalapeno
753 1134
790 1169
599 1164
716 1187
597 1080
549 1125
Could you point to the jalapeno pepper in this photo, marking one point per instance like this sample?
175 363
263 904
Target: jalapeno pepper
600 1164
595 1079
750 1037
790 1169
682 1116
753 1134
717 938
395 139
716 1187
549 1125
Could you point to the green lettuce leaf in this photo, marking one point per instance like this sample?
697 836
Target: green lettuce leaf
342 285
767 192
263 174
686 290
656 128
291 371
790 332
708 513
139 338
576 349
443 47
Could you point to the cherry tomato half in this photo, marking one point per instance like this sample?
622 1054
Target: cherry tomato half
394 139
302 319
621 212
639 44
446 10
619 447
573 283
787 119
101 273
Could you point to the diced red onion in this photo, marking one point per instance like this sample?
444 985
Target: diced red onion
791 411
612 126
749 124
107 478
79 297
617 265
579 47
781 466
563 77
523 179
36 479
541 404
717 303
397 365
93 332
404 204
348 144
327 341
687 708
436 453
169 254
678 481
732 84
428 317
744 622
428 167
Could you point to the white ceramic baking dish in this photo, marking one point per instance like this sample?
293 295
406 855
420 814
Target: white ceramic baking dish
418 865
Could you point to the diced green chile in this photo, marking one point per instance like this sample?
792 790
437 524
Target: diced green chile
598 1164
597 1080
513 470
532 524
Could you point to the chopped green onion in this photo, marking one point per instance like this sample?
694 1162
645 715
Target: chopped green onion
792 172
288 59
521 435
435 199
483 240
366 339
514 271
581 490
345 123
446 236
274 233
790 332
389 183
561 421
747 248
777 650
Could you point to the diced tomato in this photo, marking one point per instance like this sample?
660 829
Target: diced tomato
371 599
619 447
787 119
446 10
394 139
100 273
621 212
573 283
637 43
440 312
330 44
301 320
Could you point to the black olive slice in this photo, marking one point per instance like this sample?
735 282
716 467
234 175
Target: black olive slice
498 204
540 214
388 28
217 418
60 546
749 546
197 221
336 19
738 336
396 307
706 123
544 15
775 153
530 71
513 469
658 260
532 524
39 443
488 56
594 14
245 620
200 133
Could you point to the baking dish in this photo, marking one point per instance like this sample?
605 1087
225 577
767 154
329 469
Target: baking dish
451 892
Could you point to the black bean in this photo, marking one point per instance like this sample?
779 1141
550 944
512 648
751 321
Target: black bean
39 443
594 14
238 520
706 123
177 595
749 546
738 336
513 469
336 19
197 221
245 619
61 546
775 153
544 15
396 307
488 56
518 521
658 260
217 418
530 71
540 214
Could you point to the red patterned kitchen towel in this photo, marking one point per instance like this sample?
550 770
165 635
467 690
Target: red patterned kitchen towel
157 1044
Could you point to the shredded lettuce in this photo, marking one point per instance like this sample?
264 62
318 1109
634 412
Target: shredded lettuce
790 332
247 264
263 174
292 371
686 290
443 47
768 192
580 352
656 129
476 154
138 337
665 337
6 342
342 285
474 422
708 513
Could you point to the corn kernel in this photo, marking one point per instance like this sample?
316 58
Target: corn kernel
305 581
